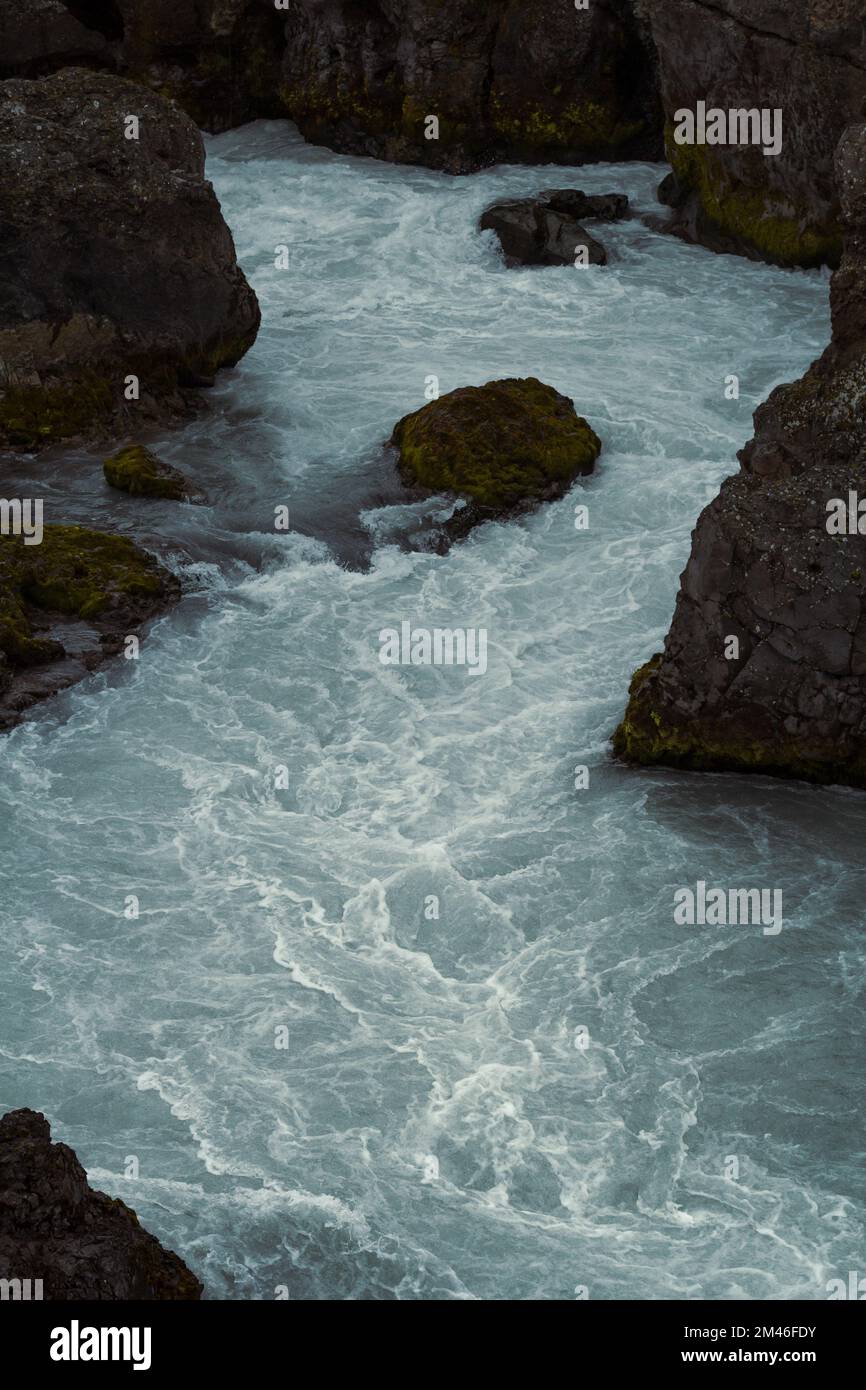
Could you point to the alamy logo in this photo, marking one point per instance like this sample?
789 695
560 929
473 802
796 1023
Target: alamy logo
846 518
22 517
76 1343
20 1290
734 127
438 646
855 1289
716 907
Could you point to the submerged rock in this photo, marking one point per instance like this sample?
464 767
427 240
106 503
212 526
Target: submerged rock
66 605
531 232
136 470
805 61
80 1243
115 261
573 202
503 447
539 82
764 667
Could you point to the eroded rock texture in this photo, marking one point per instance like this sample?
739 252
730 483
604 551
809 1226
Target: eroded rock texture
764 568
80 1243
505 80
114 260
806 58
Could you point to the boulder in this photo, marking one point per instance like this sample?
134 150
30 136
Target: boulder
79 1242
533 233
807 60
66 605
502 447
115 261
770 567
137 471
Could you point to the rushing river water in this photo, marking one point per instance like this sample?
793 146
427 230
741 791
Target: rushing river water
549 1086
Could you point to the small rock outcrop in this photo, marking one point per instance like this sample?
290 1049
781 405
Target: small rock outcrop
67 604
115 261
80 1243
502 447
764 667
502 80
139 472
803 58
546 230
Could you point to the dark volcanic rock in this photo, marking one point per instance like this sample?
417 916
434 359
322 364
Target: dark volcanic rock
66 606
572 202
503 447
806 58
220 59
115 260
80 1243
765 569
532 233
506 79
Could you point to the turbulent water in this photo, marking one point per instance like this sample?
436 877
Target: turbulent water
549 1087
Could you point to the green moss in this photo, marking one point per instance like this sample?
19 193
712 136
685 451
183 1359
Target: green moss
498 445
589 125
746 214
74 571
136 470
647 738
34 416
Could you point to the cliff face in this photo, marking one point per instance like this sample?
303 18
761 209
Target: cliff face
769 567
114 260
80 1243
505 80
806 58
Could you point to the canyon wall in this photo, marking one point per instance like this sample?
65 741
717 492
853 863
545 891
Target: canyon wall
806 58
770 568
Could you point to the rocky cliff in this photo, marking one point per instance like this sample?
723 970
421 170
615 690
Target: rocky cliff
805 58
115 261
764 667
503 79
80 1243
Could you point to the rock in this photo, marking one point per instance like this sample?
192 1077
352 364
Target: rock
219 59
115 261
503 447
97 588
765 569
136 470
505 80
38 36
571 202
531 233
80 1243
807 60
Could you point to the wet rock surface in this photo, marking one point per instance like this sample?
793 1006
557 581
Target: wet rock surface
80 1243
546 231
67 605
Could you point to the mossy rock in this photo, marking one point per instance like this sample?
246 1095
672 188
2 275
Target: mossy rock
77 573
500 446
136 470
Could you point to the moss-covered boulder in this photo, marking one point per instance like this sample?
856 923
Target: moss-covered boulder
75 576
136 470
502 447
